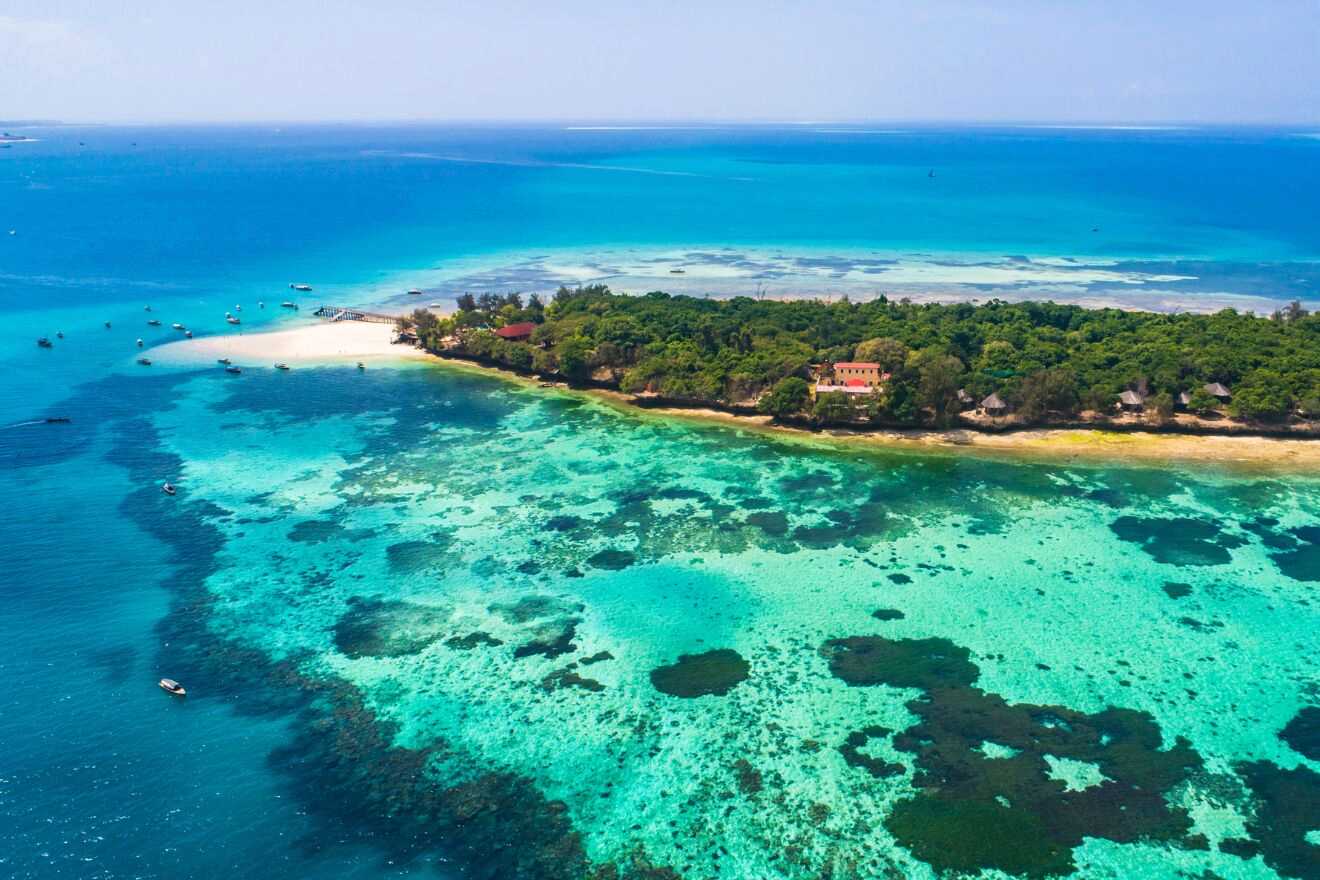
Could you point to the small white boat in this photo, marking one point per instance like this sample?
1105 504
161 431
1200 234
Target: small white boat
169 489
260 304
153 323
238 308
146 362
361 366
177 326
301 286
234 370
139 342
414 292
224 361
289 305
281 366
231 319
170 686
187 333
146 308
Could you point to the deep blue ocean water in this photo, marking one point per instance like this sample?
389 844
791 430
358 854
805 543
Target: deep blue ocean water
102 775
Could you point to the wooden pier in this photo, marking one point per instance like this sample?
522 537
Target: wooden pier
341 313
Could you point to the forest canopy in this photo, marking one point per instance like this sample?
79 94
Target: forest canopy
1048 360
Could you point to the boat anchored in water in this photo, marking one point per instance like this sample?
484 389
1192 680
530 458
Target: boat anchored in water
146 362
281 366
300 286
169 489
233 369
177 326
153 323
170 686
414 292
231 319
43 342
224 361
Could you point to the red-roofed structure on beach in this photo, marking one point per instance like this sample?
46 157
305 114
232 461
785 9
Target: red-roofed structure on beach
516 332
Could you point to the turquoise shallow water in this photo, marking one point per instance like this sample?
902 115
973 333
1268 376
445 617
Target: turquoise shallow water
434 624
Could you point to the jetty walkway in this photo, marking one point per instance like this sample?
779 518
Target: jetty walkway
341 313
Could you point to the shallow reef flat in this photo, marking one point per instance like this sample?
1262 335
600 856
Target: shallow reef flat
543 638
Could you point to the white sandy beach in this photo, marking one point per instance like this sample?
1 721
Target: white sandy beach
319 343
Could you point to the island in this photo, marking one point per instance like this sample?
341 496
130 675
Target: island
883 364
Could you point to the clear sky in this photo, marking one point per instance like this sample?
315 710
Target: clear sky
970 60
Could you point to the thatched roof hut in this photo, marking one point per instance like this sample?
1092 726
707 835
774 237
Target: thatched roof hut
994 403
1131 400
1214 389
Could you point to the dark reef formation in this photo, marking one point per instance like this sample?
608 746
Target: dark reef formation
388 628
697 675
974 811
1178 540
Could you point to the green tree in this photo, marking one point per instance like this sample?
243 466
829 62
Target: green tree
1160 406
1201 401
834 408
939 377
889 353
1048 391
788 396
1261 396
574 357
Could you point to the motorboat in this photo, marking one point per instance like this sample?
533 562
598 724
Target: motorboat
188 334
414 292
260 304
177 326
170 686
361 366
281 366
238 308
139 342
146 308
288 305
153 323
146 362
678 271
169 489
232 369
107 325
59 334
43 342
224 361
301 286
231 319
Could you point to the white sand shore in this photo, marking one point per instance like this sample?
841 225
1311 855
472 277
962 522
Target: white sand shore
319 343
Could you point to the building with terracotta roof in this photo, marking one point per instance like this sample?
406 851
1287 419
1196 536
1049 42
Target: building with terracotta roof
516 332
867 373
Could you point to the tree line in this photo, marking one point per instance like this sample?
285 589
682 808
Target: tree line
1049 361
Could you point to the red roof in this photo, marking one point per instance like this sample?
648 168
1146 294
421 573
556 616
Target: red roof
516 331
860 365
